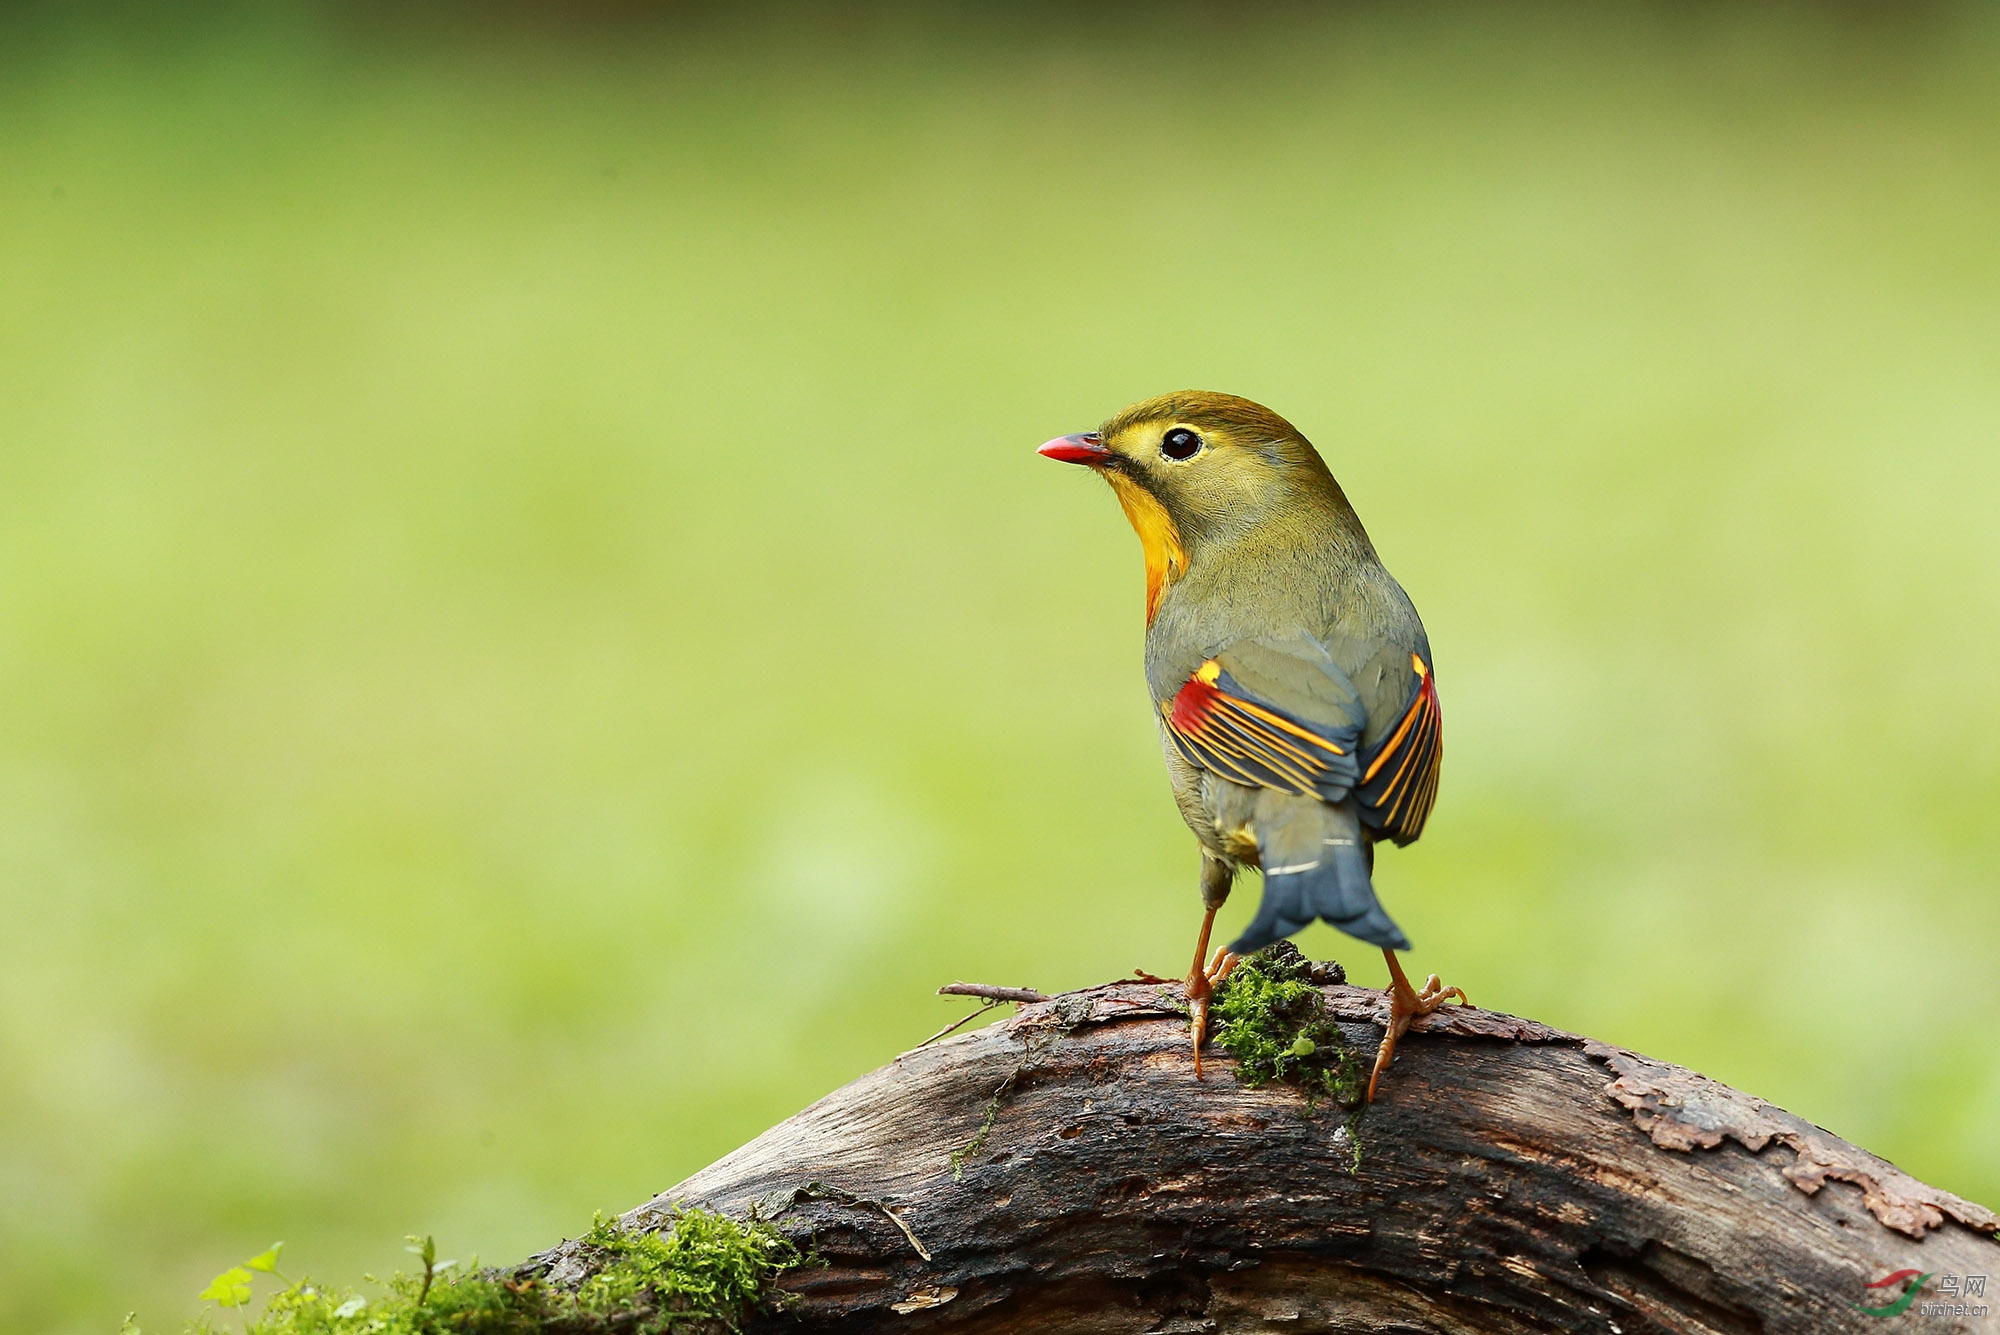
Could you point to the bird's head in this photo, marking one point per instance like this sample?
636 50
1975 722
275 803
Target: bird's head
1196 469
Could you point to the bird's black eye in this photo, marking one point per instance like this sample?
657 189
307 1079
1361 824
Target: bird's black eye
1180 443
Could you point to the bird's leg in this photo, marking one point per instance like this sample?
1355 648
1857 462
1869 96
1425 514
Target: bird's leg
1199 987
1405 1005
1203 982
1216 973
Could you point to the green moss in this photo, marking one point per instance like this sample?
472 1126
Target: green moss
706 1267
1273 1020
703 1270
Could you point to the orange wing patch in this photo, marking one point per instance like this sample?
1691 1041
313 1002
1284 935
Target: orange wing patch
1399 785
1220 727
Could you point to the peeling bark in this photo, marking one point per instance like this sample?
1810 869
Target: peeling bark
1064 1171
1684 1111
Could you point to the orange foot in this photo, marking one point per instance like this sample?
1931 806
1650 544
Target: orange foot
1405 1005
1200 984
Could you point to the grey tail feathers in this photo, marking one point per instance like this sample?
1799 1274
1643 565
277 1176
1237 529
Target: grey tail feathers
1316 865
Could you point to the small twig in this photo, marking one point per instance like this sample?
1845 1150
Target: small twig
956 1023
991 993
994 997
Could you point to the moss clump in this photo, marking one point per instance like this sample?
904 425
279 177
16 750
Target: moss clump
703 1271
1271 1018
483 1303
705 1267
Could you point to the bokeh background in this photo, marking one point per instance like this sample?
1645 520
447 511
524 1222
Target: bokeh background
532 634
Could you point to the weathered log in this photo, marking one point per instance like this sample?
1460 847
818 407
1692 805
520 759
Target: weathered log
1064 1171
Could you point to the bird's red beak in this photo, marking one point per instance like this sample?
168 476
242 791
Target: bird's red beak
1087 448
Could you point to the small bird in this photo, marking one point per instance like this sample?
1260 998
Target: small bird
1291 679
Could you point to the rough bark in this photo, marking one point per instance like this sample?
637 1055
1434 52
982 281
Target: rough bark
1064 1171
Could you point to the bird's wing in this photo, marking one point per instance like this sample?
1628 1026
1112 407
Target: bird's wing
1399 774
1281 714
1271 714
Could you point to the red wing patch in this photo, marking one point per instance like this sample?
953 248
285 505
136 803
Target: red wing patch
1399 784
1221 728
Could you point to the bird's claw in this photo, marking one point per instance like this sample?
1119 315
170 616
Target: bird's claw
1406 1004
1201 985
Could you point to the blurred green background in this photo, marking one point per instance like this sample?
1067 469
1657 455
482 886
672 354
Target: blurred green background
532 633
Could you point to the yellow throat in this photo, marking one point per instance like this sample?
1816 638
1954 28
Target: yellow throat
1166 559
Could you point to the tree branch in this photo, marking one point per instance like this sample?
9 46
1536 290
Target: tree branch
1065 1171
992 993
